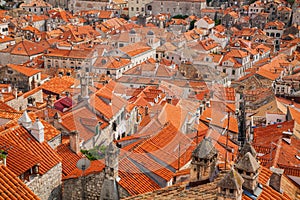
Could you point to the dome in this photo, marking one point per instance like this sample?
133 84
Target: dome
132 31
150 33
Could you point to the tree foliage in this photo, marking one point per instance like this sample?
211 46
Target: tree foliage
96 153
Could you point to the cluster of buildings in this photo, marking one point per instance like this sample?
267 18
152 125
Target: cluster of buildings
167 99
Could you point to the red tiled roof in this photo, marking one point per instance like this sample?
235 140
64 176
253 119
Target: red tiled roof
75 121
96 166
11 187
133 180
57 85
19 160
69 158
25 48
25 140
27 71
165 146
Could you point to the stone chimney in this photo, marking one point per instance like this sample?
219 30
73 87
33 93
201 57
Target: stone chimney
248 167
275 179
25 120
15 92
203 164
245 149
74 142
37 130
230 187
51 100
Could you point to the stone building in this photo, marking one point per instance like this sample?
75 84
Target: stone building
21 52
77 5
37 7
284 15
75 59
136 7
230 19
24 78
190 7
31 158
259 20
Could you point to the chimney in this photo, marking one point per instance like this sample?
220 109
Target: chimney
51 100
15 93
74 142
275 179
37 130
25 120
146 110
3 155
98 128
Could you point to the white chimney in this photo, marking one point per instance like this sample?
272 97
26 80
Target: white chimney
25 120
37 130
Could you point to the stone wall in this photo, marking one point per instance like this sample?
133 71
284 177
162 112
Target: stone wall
48 186
73 188
7 58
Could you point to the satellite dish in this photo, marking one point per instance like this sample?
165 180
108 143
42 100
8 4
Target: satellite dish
83 164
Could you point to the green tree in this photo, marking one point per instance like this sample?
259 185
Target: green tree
192 25
96 153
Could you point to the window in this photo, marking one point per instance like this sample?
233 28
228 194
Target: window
132 9
137 8
142 9
224 70
233 72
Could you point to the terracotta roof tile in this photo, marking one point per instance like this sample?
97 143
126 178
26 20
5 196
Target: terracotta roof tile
58 85
19 160
133 180
24 139
69 158
96 166
27 71
11 187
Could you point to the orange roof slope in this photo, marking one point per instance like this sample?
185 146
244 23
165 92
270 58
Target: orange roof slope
69 158
25 48
96 167
19 135
11 187
19 160
58 85
165 146
27 71
133 180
